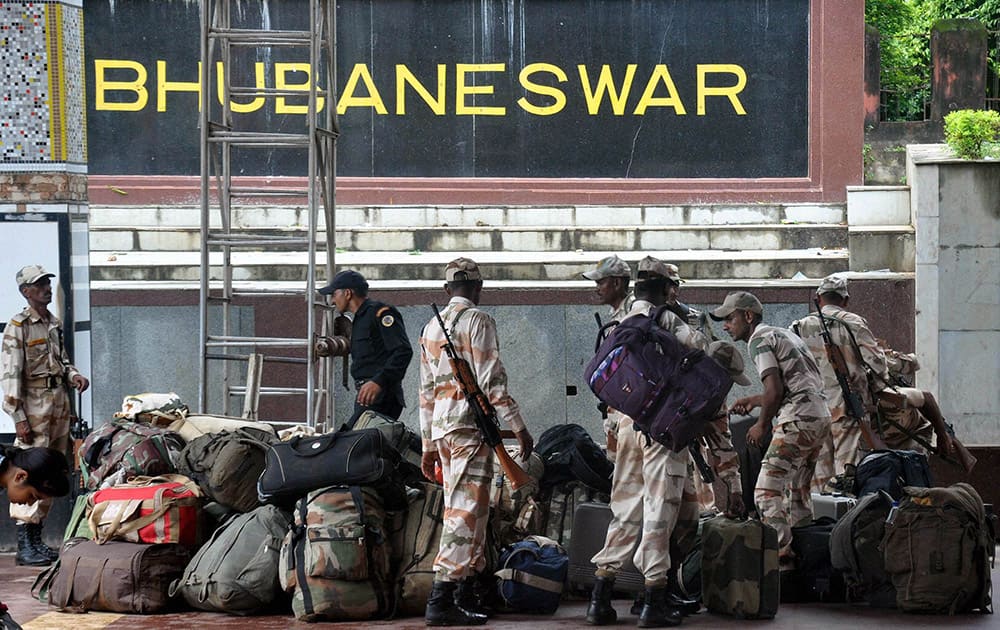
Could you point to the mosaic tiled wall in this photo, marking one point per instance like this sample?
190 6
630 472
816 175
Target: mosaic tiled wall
42 114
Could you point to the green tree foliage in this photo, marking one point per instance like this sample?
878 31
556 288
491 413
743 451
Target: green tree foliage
904 30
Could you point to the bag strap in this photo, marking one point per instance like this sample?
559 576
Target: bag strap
299 542
88 599
359 504
523 577
42 585
67 593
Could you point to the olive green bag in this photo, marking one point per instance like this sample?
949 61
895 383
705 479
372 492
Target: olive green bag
335 561
78 526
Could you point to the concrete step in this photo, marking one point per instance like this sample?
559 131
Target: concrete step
526 239
473 216
502 265
878 247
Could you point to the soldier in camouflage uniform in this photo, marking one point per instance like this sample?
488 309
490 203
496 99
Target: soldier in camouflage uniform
35 371
612 275
843 445
646 488
451 438
699 321
724 461
793 402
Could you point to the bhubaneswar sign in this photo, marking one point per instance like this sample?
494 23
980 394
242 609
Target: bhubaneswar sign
471 88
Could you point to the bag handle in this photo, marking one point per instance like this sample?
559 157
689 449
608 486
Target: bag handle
88 599
63 601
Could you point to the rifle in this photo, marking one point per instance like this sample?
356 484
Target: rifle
482 409
707 474
852 402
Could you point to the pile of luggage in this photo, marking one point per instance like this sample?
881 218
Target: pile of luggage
220 514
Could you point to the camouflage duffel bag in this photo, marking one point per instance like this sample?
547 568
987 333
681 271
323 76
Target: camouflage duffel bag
122 449
335 561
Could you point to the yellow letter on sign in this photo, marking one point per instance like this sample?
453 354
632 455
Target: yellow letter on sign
348 99
558 96
281 83
462 90
102 85
731 91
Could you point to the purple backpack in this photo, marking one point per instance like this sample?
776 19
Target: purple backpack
668 389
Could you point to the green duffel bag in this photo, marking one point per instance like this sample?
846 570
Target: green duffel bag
78 526
236 571
226 466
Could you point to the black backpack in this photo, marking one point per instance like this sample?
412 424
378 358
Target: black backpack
814 579
892 471
856 550
570 454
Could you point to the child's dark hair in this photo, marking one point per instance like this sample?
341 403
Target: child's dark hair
47 468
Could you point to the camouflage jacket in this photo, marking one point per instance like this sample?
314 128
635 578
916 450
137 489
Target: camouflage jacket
722 457
443 407
841 324
773 348
32 348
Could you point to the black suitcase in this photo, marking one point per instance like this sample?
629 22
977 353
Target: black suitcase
814 578
590 528
750 456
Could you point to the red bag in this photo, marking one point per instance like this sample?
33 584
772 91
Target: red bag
163 509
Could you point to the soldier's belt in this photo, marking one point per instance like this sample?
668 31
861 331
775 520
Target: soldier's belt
46 382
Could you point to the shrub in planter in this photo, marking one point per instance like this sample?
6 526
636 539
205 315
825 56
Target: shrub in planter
973 133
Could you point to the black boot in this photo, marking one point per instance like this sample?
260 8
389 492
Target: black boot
657 613
443 611
600 612
27 554
676 599
35 535
470 598
638 603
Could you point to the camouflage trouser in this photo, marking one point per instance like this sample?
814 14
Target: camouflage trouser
682 538
841 447
467 470
48 414
645 499
783 493
611 429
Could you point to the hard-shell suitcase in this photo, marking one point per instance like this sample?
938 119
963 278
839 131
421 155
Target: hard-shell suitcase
814 579
739 568
833 506
590 528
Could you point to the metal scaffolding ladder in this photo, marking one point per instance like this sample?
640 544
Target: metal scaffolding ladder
226 141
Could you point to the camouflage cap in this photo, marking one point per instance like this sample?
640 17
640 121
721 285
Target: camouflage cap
833 284
462 269
32 274
726 355
610 267
650 266
738 300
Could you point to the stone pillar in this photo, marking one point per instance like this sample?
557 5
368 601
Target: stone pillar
43 164
958 55
957 326
873 79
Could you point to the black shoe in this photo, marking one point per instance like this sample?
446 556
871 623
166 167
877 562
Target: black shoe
469 597
443 611
600 612
676 599
638 603
657 613
35 536
27 554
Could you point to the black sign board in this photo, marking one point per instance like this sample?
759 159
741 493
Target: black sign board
476 88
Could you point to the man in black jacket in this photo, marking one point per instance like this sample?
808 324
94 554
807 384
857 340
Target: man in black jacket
380 349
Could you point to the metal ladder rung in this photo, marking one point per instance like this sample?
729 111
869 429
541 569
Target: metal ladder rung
236 240
247 191
271 391
232 341
244 357
259 139
252 37
255 92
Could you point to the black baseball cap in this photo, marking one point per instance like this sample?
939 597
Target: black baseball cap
347 279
